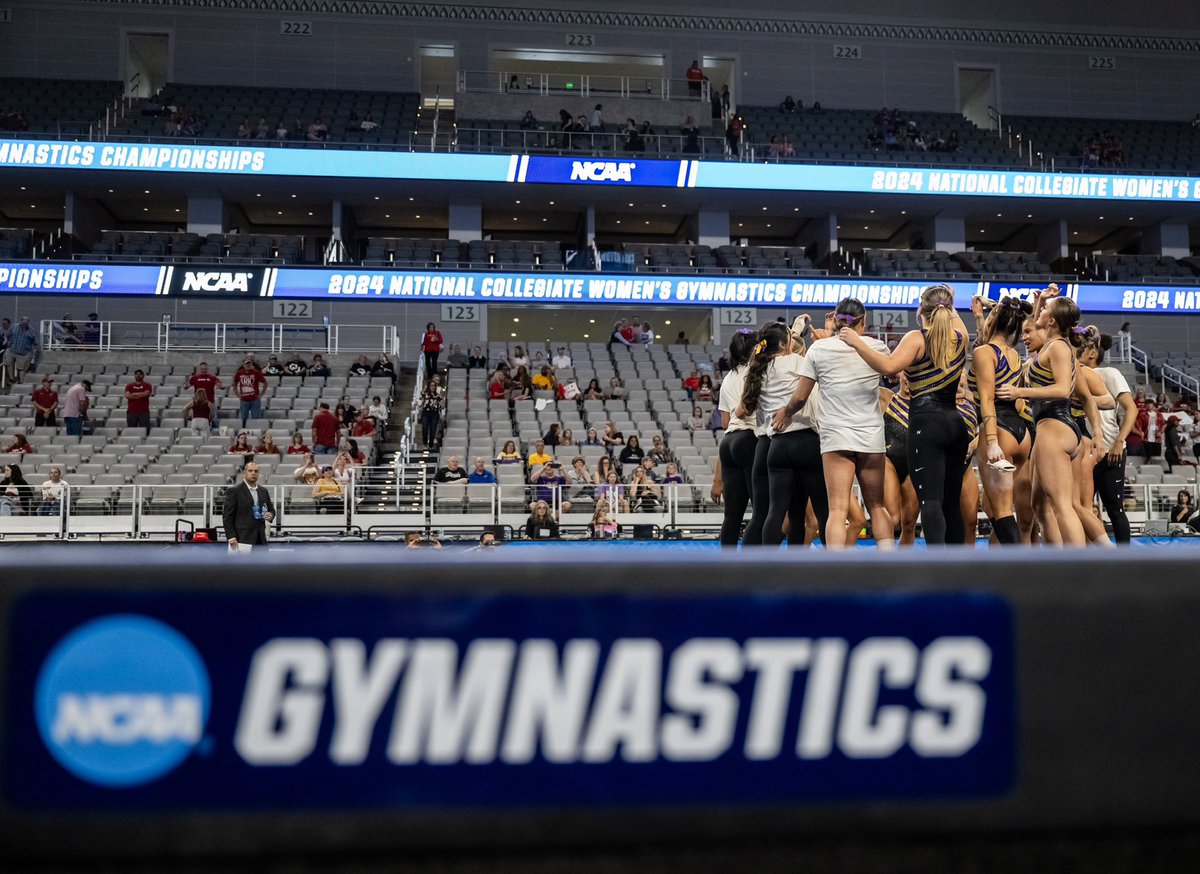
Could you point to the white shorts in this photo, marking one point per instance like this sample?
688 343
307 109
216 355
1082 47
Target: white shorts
869 440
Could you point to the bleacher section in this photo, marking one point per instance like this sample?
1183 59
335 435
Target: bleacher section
171 457
506 135
679 258
225 107
654 403
841 135
456 255
922 263
1148 145
15 243
53 106
154 246
1119 268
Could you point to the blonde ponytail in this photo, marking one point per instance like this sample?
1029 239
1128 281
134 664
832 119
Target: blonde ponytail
937 310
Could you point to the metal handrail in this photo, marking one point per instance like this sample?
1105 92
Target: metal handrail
224 337
587 85
131 510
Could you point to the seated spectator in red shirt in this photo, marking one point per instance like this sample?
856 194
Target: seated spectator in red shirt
20 444
325 431
692 383
241 445
297 447
356 455
364 426
137 401
45 404
498 389
266 446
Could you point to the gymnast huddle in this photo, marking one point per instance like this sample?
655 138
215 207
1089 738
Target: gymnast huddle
808 410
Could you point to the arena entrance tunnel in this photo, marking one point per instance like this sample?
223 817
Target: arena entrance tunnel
181 703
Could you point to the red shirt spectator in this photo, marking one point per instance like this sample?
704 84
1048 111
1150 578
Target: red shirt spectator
692 383
249 382
137 396
627 333
206 382
45 399
325 428
297 447
19 444
432 341
364 427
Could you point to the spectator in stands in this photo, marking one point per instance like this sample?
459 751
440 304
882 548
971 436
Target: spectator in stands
788 105
273 367
561 358
383 368
364 425
354 453
566 124
644 494
198 412
76 408
648 466
528 122
480 475
369 123
545 379
295 366
596 122
611 438
52 493
1125 338
137 402
453 472
509 454
262 130
541 524
16 495
634 141
378 411
786 149
644 334
592 438
539 456
632 453
430 403
603 526
267 446
327 492
691 136
19 446
1174 445
318 367
695 80
671 476
733 134
553 437
204 381
318 131
325 430
659 452
1183 509
281 130
476 359
593 392
692 384
45 404
241 445
297 446
308 472
613 492
457 358
91 330
521 387
549 480
21 345
432 343
249 383
361 367
698 420
568 438
244 130
616 390
704 392
520 358
498 387
70 331
603 467
1151 423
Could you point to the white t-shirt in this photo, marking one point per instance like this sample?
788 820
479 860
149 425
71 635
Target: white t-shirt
1111 420
783 373
849 416
731 397
561 361
53 491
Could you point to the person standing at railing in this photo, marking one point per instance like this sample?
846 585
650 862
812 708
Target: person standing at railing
695 80
430 406
91 330
22 345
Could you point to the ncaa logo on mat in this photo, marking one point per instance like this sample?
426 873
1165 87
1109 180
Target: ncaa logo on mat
122 700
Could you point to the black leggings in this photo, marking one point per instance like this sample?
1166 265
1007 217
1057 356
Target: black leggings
937 445
1109 481
797 476
737 465
760 491
430 364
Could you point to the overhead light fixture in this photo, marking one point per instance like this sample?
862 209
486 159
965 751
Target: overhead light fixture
518 201
310 213
585 336
872 212
904 212
377 197
516 319
258 195
591 321
414 216
552 203
513 334
293 196
667 322
999 215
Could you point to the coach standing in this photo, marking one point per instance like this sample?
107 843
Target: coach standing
22 343
248 511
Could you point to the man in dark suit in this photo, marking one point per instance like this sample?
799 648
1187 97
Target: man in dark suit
248 510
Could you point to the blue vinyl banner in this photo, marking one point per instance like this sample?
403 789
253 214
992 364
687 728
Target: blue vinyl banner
143 700
234 281
634 171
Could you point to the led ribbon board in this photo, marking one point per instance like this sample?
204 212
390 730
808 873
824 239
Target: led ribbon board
237 281
630 171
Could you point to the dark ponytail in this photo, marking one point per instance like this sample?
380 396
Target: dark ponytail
772 341
1106 343
741 347
1065 313
1005 320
